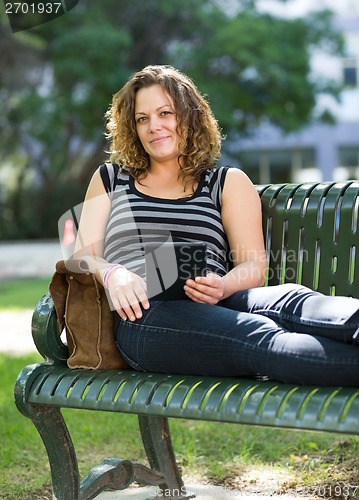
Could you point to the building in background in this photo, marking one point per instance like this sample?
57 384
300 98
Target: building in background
319 152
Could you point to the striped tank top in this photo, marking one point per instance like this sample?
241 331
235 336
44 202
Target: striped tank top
137 219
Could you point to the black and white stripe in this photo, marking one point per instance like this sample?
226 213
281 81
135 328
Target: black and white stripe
137 219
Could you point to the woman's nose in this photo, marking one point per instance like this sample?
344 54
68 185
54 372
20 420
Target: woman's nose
154 124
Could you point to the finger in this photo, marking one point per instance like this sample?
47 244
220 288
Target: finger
212 285
211 280
190 295
200 282
124 304
133 302
198 296
141 294
204 289
129 313
128 303
117 307
122 314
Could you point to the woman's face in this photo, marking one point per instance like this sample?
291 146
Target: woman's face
156 124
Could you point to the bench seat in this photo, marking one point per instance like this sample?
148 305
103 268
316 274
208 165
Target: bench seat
241 401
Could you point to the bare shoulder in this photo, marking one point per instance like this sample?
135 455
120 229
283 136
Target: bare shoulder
238 184
96 186
97 203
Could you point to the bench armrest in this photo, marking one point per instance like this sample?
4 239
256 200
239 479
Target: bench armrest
45 332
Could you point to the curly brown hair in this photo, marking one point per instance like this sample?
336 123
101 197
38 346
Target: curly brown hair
200 136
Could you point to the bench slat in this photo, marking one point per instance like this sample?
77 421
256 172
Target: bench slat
312 235
215 399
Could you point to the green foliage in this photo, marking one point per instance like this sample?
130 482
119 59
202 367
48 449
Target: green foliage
57 81
256 67
32 212
261 78
22 293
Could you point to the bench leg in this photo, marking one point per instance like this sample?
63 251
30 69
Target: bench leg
156 438
113 473
66 484
62 457
52 428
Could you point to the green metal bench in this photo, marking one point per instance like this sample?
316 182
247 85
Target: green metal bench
312 237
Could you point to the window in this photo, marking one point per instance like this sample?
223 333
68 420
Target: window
276 165
350 73
349 156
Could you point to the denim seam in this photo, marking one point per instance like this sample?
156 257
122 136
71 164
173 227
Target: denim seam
290 317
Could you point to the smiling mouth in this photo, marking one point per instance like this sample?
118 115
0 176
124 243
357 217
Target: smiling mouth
158 139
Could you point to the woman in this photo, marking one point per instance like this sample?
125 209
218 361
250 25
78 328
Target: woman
163 181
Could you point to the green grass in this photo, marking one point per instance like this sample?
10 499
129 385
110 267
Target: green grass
225 454
24 469
241 457
22 294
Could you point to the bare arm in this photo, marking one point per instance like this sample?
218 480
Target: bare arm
127 290
94 216
242 221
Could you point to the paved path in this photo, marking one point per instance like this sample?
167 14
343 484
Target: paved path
28 259
15 332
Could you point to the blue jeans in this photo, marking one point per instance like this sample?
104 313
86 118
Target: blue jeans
287 333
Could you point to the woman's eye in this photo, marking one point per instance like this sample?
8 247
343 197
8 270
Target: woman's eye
141 119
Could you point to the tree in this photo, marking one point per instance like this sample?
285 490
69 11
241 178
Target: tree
256 67
252 66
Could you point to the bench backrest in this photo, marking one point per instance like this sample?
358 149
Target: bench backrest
312 235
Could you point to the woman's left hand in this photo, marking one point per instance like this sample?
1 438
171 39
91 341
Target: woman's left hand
206 289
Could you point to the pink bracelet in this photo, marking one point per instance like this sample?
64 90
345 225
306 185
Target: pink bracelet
106 275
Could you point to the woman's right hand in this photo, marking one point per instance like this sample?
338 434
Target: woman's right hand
128 292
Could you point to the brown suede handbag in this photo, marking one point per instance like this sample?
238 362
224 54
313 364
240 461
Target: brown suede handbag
83 310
